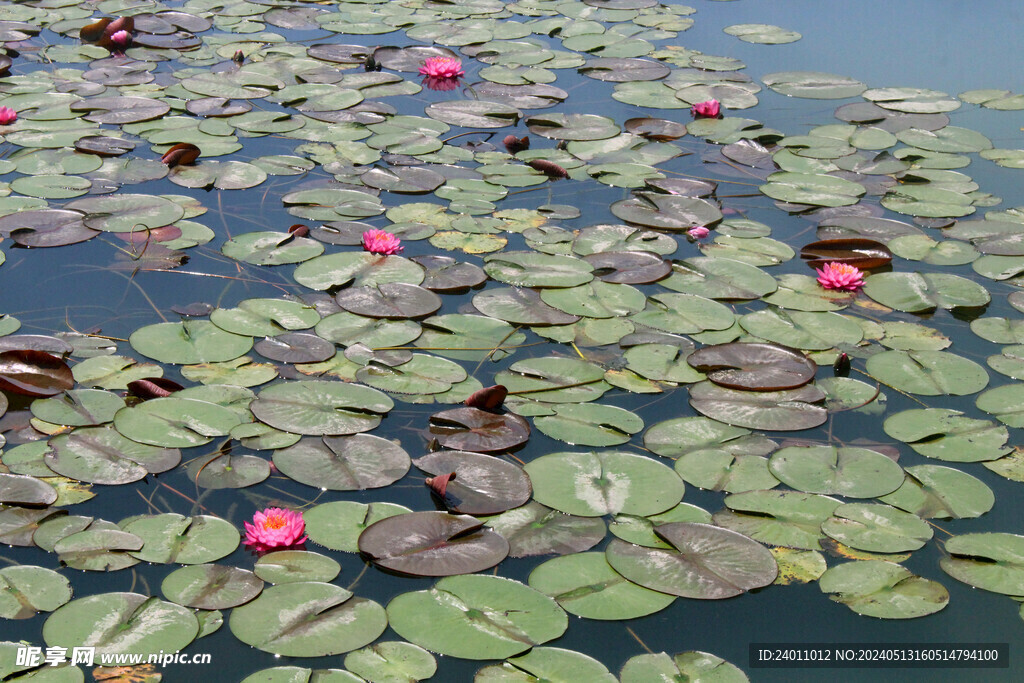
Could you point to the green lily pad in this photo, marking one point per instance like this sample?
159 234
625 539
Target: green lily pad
343 463
292 566
392 661
990 561
846 471
172 537
308 619
28 590
783 518
948 435
211 586
930 491
693 665
188 342
706 562
929 373
585 585
535 529
477 617
877 528
337 525
883 589
321 407
598 483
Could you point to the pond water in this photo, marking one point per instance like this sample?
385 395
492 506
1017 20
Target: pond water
96 286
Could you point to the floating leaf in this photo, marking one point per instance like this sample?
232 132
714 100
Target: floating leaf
211 586
308 619
477 617
343 463
584 584
121 623
990 561
883 589
472 429
608 482
480 485
929 373
321 407
706 562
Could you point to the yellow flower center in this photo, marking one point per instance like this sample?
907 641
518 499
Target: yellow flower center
274 522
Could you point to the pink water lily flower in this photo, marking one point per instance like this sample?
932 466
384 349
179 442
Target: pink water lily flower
121 39
7 116
698 233
709 109
381 242
275 528
842 276
442 67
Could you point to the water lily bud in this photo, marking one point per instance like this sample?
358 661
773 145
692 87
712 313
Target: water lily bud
841 368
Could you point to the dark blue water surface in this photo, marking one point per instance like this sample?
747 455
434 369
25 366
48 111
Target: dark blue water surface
940 44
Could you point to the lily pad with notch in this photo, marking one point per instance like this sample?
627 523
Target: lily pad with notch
171 537
211 586
876 528
754 366
343 463
584 584
295 347
482 485
917 292
782 518
101 455
535 529
706 562
596 483
477 617
320 407
929 373
432 544
883 589
121 623
666 211
948 435
479 431
845 471
931 491
308 619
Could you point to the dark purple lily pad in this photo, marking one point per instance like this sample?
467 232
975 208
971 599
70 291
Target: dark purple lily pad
432 544
706 562
624 70
629 267
295 347
46 228
124 109
34 373
35 342
660 130
16 489
472 429
389 300
753 366
855 251
340 54
445 274
769 410
483 485
217 107
104 146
